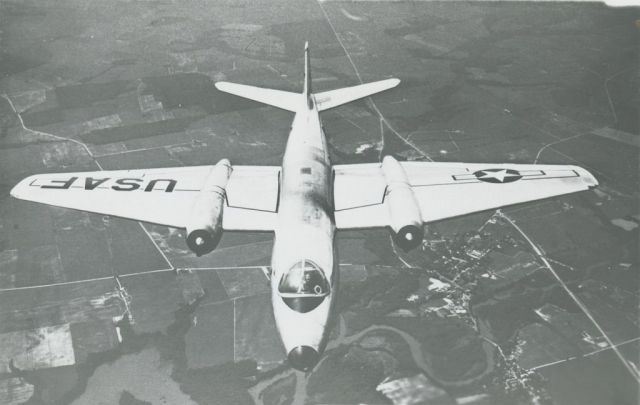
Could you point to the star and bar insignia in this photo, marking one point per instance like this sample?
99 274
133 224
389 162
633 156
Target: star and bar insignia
498 175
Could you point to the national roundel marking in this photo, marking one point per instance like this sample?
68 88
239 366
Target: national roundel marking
499 176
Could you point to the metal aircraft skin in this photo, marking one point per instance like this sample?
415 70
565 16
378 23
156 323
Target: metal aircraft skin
303 202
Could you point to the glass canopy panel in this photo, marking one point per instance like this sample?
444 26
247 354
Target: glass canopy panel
304 279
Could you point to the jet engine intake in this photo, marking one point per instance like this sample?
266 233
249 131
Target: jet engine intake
404 211
204 227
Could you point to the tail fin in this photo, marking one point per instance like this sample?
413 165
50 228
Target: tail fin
291 101
307 71
306 91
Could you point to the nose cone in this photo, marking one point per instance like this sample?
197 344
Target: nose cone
303 358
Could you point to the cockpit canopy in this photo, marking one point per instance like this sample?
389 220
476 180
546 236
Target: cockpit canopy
304 279
304 286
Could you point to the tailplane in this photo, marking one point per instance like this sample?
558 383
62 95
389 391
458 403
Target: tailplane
292 101
282 99
334 98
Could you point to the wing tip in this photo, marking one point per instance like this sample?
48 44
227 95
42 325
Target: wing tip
388 83
221 85
588 178
14 192
18 191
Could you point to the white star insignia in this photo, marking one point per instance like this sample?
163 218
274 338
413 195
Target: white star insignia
499 175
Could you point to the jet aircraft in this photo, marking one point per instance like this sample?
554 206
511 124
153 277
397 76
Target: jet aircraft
303 202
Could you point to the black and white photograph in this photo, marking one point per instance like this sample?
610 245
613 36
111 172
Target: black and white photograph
300 202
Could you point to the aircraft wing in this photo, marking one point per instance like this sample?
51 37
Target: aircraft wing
445 190
160 196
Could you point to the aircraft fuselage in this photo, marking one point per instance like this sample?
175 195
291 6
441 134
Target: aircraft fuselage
302 298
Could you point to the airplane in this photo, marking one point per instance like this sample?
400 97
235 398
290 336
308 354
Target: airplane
303 202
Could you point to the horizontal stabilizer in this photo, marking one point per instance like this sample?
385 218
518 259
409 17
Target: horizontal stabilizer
277 98
334 98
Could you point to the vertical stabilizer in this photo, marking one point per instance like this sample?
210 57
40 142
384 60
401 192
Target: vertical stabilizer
307 74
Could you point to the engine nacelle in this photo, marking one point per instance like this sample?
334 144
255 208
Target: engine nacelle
404 211
204 227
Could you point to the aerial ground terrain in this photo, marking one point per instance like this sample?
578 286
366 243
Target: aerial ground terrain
531 304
